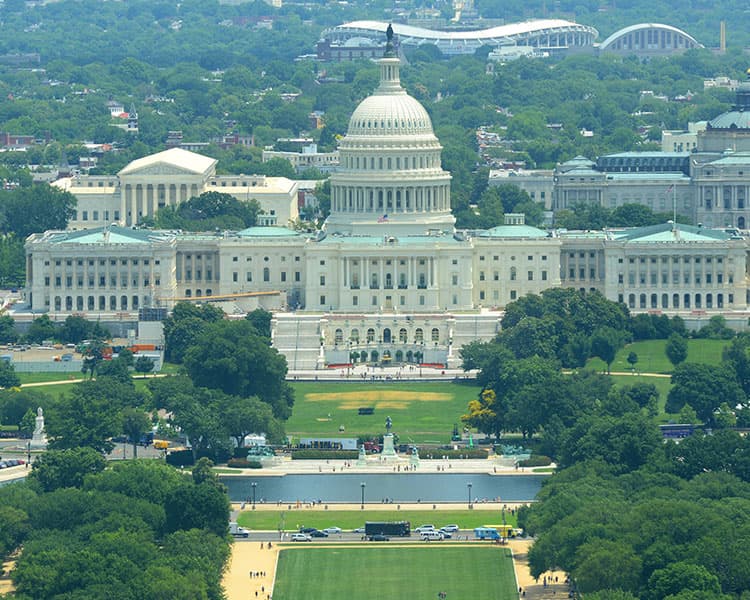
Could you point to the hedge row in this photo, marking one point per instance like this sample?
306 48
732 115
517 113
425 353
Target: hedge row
313 454
243 463
535 461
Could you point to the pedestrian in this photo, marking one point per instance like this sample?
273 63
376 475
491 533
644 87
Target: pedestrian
261 545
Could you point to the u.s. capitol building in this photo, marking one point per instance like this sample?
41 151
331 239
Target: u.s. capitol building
388 278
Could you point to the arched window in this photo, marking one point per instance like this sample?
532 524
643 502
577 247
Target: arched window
402 335
266 274
124 302
386 336
435 334
631 301
675 301
418 335
338 336
370 335
354 337
513 274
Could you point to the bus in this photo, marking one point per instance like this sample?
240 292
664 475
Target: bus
393 528
486 533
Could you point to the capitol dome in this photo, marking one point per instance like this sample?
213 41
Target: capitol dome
739 116
390 112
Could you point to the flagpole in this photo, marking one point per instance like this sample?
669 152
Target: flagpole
674 206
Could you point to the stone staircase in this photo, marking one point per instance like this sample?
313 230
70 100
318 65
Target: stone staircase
297 336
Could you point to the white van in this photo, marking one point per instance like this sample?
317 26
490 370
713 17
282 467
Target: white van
431 535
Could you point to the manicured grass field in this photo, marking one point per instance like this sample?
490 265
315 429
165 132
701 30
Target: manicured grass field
421 412
376 572
265 520
652 358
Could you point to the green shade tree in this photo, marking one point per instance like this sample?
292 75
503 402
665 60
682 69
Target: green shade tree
676 349
65 468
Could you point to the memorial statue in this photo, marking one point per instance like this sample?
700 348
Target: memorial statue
38 438
388 424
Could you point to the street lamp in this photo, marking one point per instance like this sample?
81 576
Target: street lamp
253 484
362 485
468 485
28 453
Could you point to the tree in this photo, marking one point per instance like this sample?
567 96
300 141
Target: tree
8 376
15 403
184 325
680 577
676 349
232 357
632 360
261 320
604 343
36 209
42 328
197 506
8 333
703 387
605 564
243 416
144 364
90 414
65 468
135 423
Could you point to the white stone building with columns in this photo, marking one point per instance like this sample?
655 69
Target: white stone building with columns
388 279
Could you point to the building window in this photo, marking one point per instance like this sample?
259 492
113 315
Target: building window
322 280
531 275
235 276
266 274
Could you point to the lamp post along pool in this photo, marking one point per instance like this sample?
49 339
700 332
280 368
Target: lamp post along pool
254 485
468 485
362 486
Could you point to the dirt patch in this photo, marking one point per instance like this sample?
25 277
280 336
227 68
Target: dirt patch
369 396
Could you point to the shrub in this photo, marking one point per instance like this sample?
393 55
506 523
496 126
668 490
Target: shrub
180 458
243 463
535 461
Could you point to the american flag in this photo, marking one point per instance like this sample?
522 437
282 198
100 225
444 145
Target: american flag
669 189
383 219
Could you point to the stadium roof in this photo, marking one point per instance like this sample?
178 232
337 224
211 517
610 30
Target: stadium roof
514 33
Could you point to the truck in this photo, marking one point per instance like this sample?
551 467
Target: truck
388 528
486 533
238 531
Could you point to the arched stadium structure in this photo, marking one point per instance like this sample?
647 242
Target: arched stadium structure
649 39
551 35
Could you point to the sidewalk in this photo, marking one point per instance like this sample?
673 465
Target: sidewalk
364 374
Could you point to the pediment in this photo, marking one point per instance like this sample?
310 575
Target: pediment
161 169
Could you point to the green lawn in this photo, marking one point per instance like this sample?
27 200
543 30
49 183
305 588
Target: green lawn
652 359
421 412
420 573
268 520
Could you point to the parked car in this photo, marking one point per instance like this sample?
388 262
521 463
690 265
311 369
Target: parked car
423 528
317 533
332 530
431 534
307 529
301 537
379 537
358 530
450 528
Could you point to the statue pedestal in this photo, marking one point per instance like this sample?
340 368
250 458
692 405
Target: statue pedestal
389 452
362 458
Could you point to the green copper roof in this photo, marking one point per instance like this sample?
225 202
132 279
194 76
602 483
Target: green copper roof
514 231
664 233
111 235
267 232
